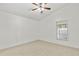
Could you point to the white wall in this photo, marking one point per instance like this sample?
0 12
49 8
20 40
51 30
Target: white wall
48 25
16 30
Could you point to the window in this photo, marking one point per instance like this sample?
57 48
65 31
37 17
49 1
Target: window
62 30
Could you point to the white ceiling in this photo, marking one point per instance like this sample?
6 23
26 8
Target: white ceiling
24 9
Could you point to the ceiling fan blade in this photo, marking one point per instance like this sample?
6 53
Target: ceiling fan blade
40 3
45 3
35 4
47 8
34 9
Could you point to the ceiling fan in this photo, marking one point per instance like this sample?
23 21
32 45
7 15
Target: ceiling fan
41 7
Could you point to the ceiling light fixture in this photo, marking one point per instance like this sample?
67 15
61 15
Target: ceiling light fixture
41 7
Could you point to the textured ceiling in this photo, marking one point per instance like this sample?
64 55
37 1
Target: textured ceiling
24 9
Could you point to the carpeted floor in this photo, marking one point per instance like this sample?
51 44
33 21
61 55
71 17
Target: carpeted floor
40 48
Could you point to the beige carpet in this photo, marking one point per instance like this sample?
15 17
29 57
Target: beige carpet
40 48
